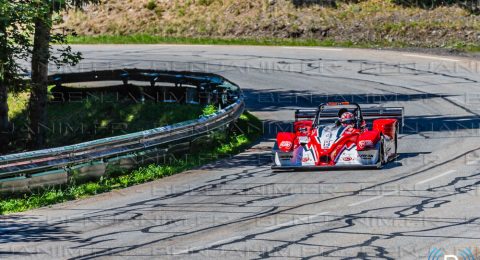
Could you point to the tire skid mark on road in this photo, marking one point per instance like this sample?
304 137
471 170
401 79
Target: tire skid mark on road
89 241
296 221
436 201
273 211
309 63
135 206
381 251
348 220
222 180
468 80
398 66
372 199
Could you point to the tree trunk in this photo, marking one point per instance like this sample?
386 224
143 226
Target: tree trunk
4 123
38 94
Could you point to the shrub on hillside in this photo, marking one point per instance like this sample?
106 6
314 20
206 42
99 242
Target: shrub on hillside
151 5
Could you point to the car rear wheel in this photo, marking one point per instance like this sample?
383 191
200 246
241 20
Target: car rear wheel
394 155
381 154
396 141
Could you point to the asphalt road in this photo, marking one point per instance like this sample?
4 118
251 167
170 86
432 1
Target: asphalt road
239 209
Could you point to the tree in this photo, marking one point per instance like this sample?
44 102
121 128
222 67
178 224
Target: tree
15 33
41 55
43 41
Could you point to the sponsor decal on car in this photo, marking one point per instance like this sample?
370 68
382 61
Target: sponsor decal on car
285 145
347 158
364 143
303 130
366 156
303 139
308 158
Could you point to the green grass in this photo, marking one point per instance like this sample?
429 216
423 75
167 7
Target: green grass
465 47
153 39
248 129
209 110
96 117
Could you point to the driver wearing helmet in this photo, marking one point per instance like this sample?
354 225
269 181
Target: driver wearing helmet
347 119
340 113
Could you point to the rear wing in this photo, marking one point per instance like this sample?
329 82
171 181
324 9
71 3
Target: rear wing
305 114
368 113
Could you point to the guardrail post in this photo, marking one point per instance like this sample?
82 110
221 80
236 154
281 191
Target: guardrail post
124 77
58 81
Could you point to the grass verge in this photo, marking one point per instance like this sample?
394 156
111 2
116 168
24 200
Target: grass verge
247 130
153 39
95 117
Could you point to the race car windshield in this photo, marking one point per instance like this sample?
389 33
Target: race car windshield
330 114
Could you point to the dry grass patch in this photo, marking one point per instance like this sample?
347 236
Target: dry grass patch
370 21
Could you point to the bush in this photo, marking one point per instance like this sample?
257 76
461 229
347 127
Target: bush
151 5
209 110
205 2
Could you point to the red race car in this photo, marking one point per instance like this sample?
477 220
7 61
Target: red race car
336 135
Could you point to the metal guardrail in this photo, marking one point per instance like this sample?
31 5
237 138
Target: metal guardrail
21 166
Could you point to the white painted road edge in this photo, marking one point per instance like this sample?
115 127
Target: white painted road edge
312 48
476 162
373 198
219 242
393 192
296 221
230 239
435 177
429 57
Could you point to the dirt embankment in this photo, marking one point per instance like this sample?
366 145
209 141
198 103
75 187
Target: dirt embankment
366 22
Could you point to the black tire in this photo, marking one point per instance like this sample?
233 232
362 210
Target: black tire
381 158
396 141
395 147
